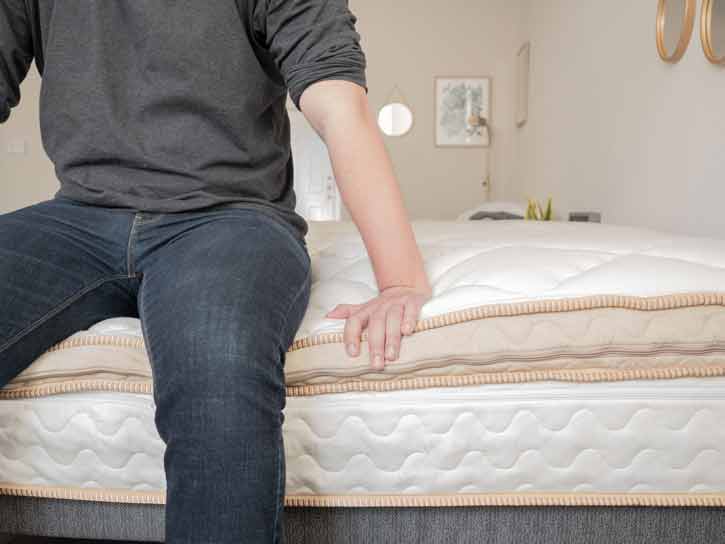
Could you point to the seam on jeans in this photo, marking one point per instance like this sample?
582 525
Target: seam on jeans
58 308
146 337
279 496
280 451
129 246
301 290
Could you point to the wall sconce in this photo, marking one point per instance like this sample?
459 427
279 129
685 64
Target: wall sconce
478 126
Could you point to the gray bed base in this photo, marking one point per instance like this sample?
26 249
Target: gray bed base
492 525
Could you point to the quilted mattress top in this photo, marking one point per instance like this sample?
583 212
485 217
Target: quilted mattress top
472 263
512 301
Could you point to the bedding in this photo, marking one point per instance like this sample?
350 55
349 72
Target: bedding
557 363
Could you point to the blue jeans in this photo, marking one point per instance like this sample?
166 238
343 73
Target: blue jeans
220 293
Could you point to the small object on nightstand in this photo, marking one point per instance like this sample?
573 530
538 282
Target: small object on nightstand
586 217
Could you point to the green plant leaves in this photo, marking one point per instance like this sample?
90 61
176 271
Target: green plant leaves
534 211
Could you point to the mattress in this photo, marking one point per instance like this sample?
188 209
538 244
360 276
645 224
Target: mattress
556 363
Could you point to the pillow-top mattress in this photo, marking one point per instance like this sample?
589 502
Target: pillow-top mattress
557 363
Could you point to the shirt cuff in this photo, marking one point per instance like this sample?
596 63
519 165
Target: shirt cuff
302 76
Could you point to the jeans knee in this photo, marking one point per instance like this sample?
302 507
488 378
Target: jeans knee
234 392
241 418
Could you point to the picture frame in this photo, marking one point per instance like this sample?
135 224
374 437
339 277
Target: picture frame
523 66
458 99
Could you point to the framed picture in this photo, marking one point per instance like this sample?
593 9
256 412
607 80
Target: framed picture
463 111
522 84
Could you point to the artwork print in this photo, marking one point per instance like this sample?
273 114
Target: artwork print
458 101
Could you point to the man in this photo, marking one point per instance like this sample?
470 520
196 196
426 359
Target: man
167 127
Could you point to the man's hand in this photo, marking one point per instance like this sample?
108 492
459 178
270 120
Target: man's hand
393 312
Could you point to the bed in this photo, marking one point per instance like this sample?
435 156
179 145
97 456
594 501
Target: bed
565 378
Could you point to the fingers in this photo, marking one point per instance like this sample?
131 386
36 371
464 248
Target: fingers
385 324
353 331
410 316
392 331
376 337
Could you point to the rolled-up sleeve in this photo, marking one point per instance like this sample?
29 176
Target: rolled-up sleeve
312 40
16 53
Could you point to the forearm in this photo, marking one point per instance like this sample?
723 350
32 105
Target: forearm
368 185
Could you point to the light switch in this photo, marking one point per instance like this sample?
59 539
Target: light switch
15 146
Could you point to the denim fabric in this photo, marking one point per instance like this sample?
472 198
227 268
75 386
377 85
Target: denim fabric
220 292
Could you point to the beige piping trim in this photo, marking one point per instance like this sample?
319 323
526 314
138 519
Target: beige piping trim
120 341
509 499
394 501
427 382
662 302
76 387
84 493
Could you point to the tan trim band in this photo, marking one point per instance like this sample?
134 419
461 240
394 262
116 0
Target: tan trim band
584 376
76 386
661 302
84 494
119 341
655 303
508 499
394 501
426 382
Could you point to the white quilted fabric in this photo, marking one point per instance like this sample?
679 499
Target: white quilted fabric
471 263
624 437
663 436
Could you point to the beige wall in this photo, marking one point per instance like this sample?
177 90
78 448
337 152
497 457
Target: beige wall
407 42
25 178
613 128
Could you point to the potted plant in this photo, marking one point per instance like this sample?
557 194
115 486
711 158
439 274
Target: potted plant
534 211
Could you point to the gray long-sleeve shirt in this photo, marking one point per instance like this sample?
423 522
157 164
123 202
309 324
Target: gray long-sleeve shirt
174 105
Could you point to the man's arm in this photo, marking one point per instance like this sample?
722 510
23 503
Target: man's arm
16 53
317 50
340 113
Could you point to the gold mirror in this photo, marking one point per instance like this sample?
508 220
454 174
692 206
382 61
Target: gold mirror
713 30
675 23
